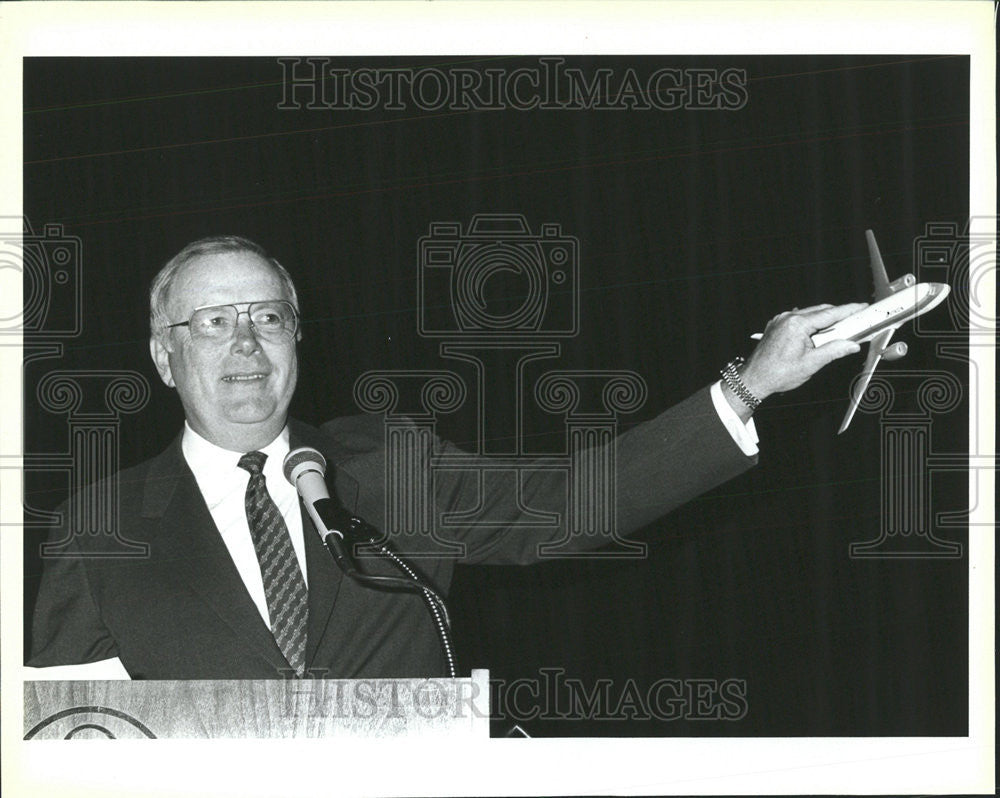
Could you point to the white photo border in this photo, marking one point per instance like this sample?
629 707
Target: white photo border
613 766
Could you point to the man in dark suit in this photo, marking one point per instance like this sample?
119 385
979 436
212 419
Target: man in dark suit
238 585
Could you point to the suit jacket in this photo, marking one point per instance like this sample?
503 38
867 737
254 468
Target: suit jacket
183 612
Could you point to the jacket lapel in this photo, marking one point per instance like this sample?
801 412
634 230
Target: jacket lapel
188 541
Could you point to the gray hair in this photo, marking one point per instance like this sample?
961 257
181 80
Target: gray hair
159 290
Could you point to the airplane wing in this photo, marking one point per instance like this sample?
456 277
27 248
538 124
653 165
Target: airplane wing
880 278
875 350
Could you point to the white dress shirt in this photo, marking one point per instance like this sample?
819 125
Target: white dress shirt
223 485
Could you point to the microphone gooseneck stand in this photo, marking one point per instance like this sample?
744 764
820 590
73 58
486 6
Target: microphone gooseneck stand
305 468
359 531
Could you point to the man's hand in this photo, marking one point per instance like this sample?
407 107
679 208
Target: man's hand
785 357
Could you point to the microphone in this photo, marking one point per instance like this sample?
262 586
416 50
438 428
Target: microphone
305 468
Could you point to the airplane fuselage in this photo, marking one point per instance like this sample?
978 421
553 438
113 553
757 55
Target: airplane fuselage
888 313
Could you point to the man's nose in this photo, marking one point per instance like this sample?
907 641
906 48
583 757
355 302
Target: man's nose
244 338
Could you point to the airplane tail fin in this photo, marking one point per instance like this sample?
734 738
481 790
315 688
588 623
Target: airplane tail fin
879 276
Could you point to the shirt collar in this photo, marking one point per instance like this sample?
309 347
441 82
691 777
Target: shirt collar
216 470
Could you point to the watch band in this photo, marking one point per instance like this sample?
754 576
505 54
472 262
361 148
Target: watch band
731 376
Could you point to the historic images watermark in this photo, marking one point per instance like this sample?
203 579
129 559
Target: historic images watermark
555 696
548 84
498 294
317 696
965 259
549 696
49 264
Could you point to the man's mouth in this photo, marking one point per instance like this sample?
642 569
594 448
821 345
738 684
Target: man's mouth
244 377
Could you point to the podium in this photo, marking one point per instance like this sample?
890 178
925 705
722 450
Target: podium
451 708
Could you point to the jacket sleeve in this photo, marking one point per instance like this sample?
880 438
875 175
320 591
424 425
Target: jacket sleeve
658 466
67 628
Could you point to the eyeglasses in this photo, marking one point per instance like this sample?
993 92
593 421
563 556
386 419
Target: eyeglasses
274 320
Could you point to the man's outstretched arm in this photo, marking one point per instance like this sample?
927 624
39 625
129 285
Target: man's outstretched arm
664 462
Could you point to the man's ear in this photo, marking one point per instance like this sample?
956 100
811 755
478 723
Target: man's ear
161 357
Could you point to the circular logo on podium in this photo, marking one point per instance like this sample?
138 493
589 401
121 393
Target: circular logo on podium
89 723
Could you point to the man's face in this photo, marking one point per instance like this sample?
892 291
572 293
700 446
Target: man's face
235 391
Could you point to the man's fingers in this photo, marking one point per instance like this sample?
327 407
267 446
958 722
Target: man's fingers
814 308
833 350
821 318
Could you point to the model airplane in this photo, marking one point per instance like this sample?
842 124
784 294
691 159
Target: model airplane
895 304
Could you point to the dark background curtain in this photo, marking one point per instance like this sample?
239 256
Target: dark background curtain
695 226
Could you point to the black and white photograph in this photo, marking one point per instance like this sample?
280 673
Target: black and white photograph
613 412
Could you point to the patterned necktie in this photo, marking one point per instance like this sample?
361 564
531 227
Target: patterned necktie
284 587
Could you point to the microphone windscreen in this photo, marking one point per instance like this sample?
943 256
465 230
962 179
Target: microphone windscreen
303 456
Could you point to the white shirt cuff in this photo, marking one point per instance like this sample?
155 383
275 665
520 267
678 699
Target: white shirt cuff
744 435
102 670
